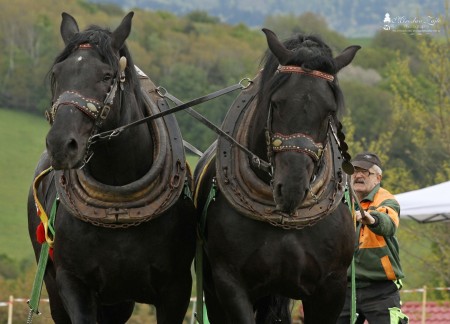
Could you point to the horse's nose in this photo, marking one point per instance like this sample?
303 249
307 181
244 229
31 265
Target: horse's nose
288 198
63 151
61 144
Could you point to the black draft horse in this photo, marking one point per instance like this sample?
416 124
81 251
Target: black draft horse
124 230
283 232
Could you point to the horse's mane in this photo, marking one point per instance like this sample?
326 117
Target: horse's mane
101 40
310 52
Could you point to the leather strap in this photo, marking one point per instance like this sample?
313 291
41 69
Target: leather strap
162 92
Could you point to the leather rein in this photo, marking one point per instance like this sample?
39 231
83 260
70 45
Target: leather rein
99 111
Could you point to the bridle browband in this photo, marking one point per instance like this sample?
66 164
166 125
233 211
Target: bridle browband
300 70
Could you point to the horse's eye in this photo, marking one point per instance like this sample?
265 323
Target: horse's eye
107 77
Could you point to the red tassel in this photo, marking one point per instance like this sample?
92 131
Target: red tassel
40 233
40 237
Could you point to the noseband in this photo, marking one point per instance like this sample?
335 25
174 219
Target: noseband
92 108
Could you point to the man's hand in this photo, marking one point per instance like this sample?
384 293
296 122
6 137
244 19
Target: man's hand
364 218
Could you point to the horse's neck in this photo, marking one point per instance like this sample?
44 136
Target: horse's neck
123 159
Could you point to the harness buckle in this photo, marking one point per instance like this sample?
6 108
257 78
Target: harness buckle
105 112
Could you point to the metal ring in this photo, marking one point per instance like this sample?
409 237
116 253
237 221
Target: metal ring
245 83
161 91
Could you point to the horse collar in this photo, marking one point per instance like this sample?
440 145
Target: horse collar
142 200
253 197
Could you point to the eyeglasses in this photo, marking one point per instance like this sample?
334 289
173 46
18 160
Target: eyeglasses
364 172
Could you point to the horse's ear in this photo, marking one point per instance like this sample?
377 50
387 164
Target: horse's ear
276 47
347 55
121 33
69 27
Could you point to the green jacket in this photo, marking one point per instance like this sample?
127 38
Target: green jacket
377 251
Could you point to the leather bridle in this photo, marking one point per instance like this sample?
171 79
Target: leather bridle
297 142
94 109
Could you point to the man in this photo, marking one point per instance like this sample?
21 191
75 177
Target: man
377 264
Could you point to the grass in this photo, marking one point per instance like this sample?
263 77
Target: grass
22 142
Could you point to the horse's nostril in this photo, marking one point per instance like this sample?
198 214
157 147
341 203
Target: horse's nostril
278 189
72 145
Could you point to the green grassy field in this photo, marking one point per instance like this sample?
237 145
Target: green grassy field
22 142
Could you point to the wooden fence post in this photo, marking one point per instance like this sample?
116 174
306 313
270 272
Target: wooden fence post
424 304
10 309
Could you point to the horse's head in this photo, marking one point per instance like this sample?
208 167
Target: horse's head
300 94
86 79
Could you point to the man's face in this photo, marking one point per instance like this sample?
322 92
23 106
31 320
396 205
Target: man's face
363 180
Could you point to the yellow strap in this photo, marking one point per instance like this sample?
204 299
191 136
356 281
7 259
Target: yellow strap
200 178
40 210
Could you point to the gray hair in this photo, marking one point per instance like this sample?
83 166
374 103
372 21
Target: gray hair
377 169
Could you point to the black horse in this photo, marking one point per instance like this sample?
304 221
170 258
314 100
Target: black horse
279 230
125 226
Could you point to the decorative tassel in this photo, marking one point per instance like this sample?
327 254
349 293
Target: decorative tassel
40 233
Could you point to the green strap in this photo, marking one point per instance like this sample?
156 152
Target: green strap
353 315
199 276
201 313
33 303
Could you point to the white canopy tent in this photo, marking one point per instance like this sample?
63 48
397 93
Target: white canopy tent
430 204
